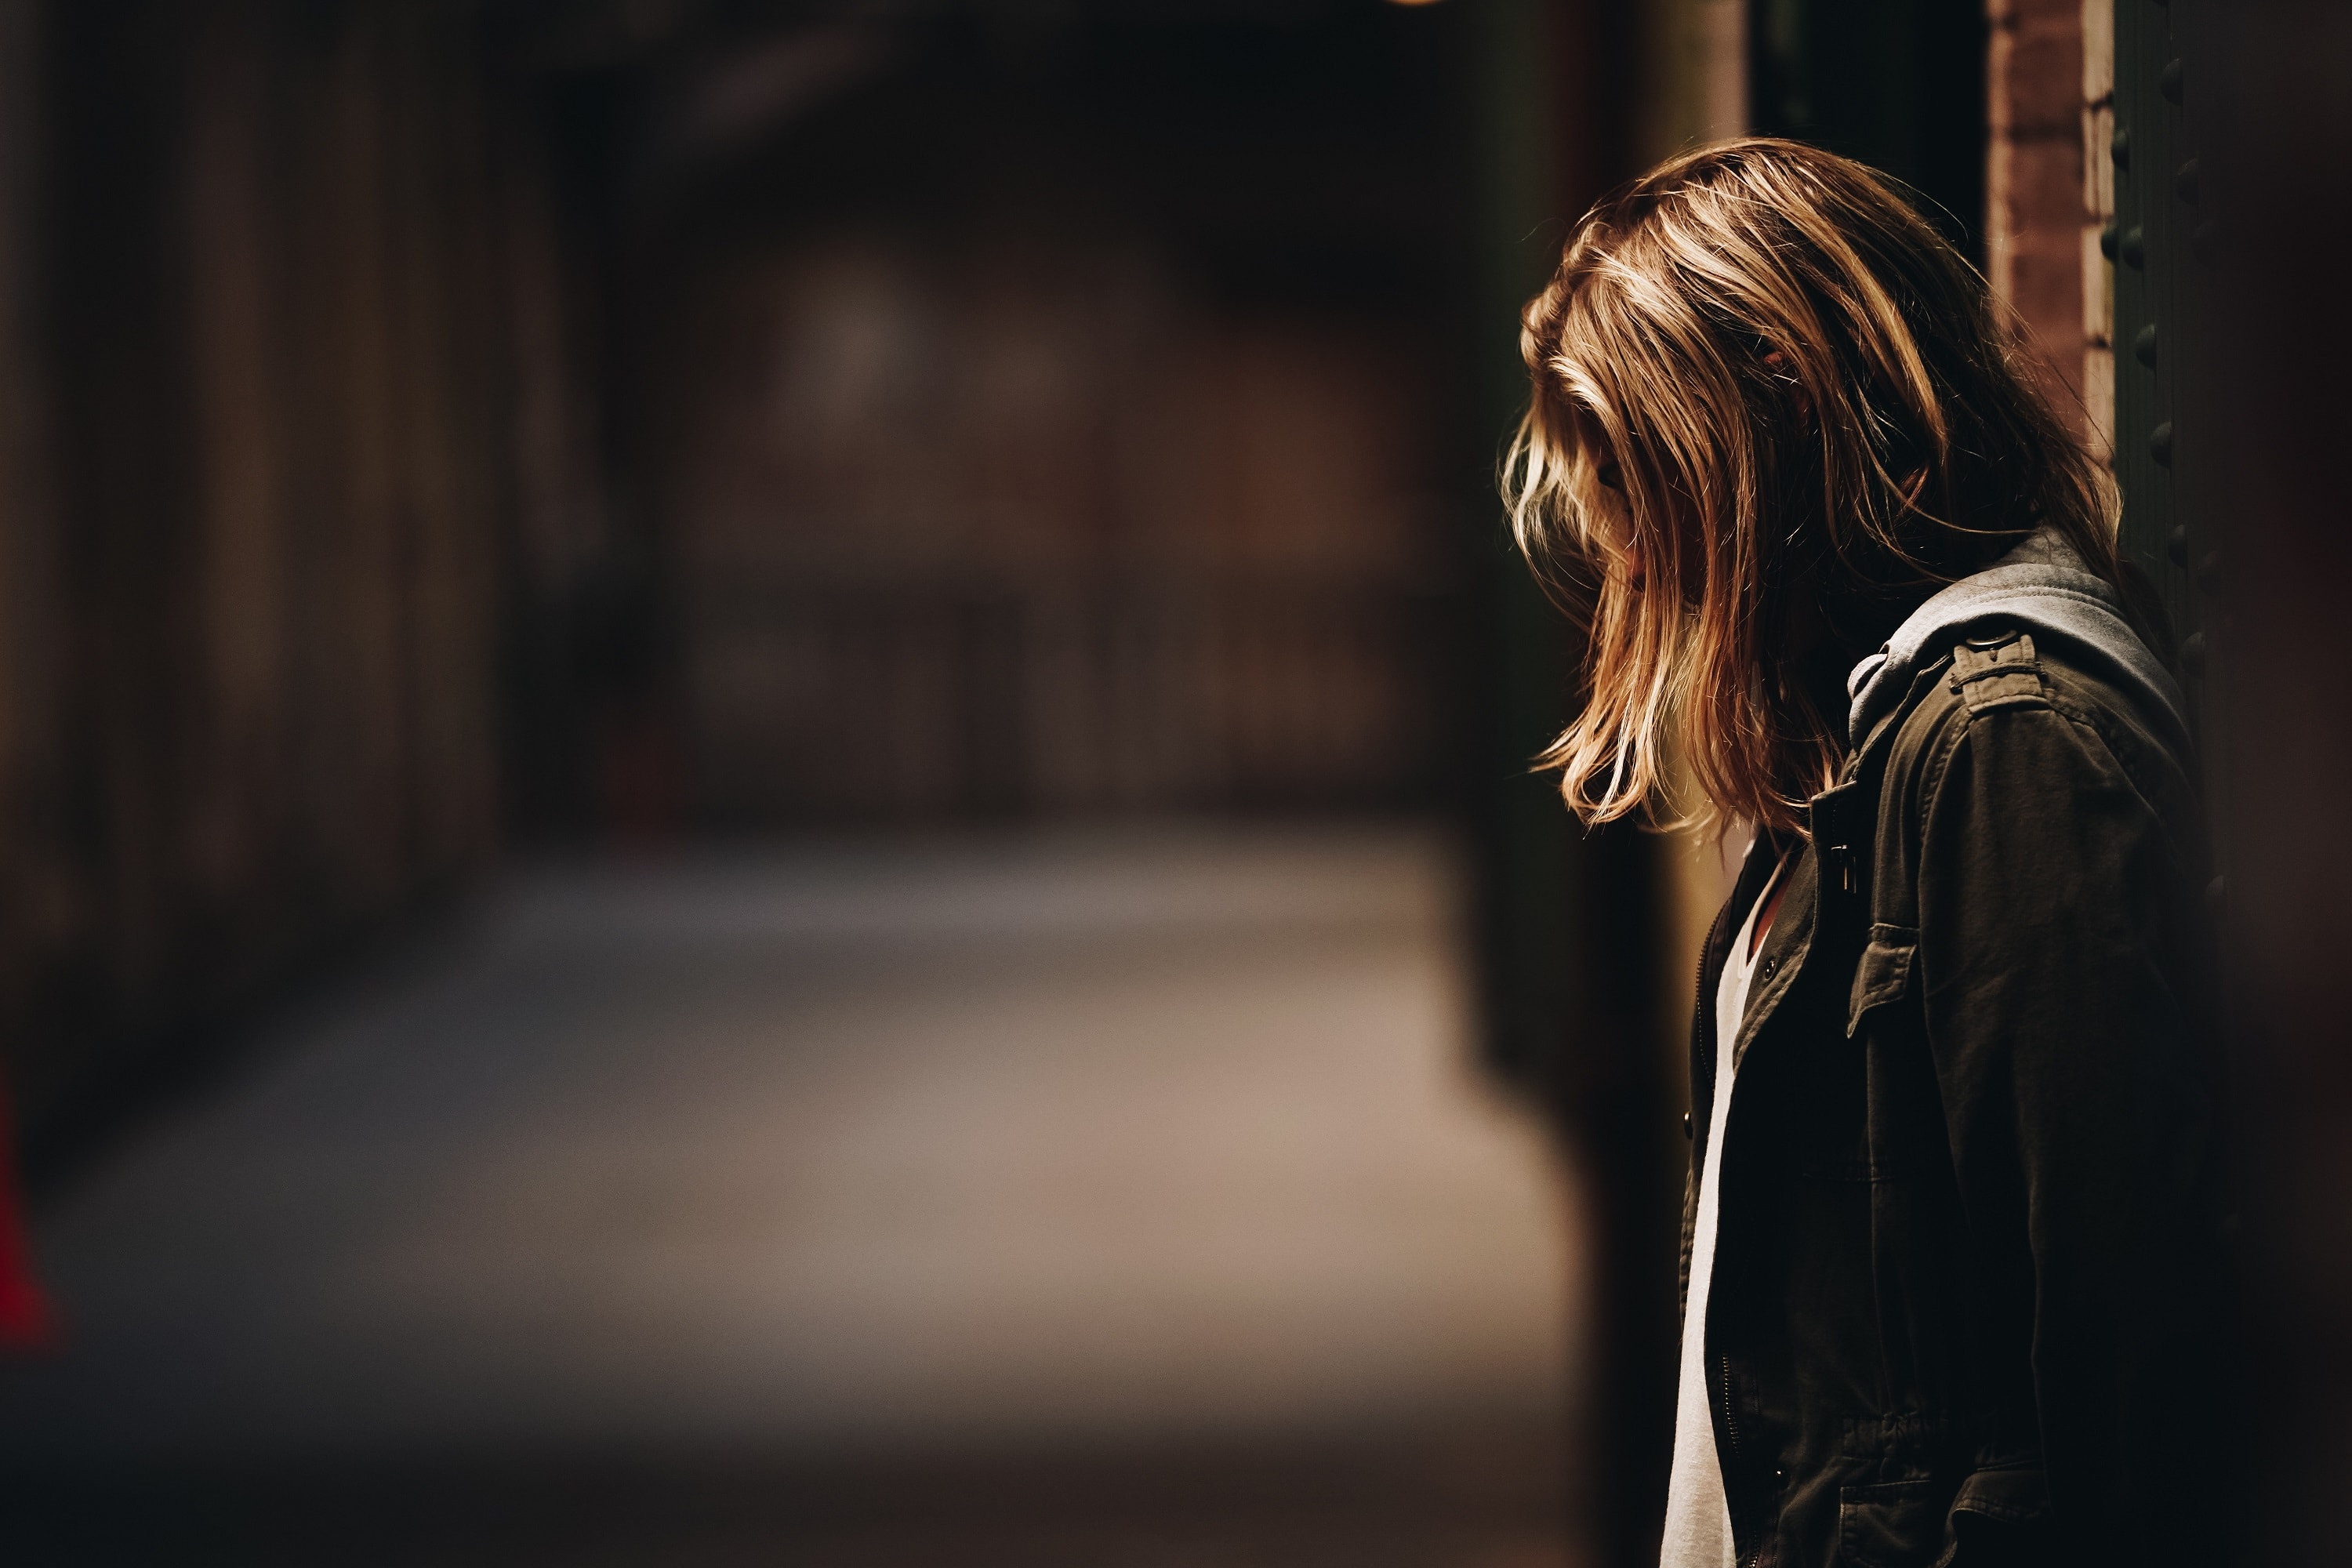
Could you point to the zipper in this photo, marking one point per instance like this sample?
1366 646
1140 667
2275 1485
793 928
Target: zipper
1731 1421
1699 981
1731 1443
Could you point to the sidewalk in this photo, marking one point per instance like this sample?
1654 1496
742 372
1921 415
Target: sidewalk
889 1172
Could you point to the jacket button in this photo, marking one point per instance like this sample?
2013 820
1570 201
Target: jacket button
1687 1124
1770 964
1779 1477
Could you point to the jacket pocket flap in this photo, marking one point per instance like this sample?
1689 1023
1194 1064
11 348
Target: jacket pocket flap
2013 1494
1883 972
1996 1518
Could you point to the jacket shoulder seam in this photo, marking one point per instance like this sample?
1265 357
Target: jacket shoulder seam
1945 722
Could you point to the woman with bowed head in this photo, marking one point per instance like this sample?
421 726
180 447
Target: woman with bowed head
1953 1241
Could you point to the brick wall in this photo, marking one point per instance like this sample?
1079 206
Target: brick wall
2048 191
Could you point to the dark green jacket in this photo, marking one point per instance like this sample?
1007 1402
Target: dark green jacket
1968 1288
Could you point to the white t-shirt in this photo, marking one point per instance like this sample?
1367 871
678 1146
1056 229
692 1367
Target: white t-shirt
1698 1515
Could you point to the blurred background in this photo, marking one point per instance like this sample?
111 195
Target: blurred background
763 764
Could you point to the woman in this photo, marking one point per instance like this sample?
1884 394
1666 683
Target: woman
1952 1232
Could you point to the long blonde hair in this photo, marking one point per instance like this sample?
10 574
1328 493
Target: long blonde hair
1764 389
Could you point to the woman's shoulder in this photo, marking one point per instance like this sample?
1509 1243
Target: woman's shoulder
2039 711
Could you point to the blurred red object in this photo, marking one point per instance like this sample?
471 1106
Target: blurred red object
27 1322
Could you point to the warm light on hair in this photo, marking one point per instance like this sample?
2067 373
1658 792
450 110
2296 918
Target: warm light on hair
1764 390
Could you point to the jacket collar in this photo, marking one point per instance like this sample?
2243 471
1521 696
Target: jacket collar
2040 586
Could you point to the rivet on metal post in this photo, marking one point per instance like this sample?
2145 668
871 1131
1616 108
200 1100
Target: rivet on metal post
2169 82
2176 544
2144 346
2120 147
2133 247
2192 653
2184 181
2159 440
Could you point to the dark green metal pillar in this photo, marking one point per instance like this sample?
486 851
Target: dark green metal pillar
2163 238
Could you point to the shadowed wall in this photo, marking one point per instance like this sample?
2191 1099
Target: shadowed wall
255 478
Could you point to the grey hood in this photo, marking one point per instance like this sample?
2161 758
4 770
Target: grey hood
2040 587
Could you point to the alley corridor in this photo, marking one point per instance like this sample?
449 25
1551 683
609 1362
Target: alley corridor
1093 1198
